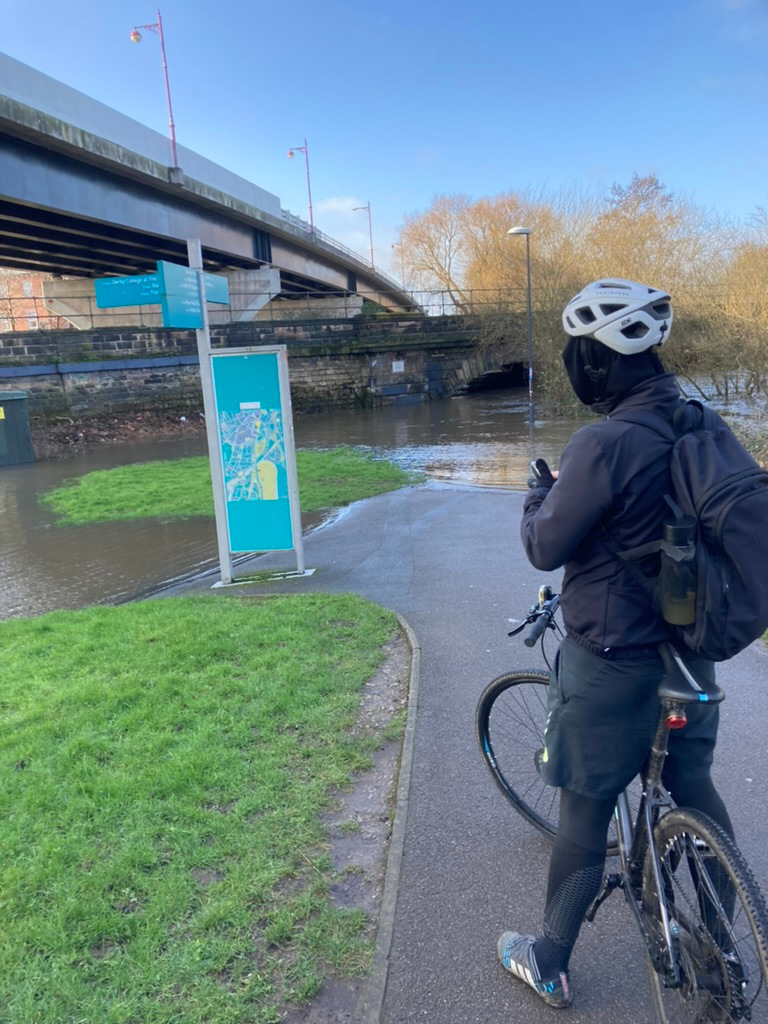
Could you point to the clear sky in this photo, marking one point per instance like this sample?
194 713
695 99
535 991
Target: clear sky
404 101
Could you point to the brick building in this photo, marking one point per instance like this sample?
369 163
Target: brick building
22 304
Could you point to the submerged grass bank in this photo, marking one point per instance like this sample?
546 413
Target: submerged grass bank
181 489
165 765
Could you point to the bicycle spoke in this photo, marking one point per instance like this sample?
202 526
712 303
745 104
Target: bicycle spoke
511 716
720 922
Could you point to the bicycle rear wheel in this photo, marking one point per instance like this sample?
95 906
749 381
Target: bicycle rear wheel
511 715
721 925
510 720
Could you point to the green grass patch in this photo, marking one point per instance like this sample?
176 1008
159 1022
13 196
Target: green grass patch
164 768
181 488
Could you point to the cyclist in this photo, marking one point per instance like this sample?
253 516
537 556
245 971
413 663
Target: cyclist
603 704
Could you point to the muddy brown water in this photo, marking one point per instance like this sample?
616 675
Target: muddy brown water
481 439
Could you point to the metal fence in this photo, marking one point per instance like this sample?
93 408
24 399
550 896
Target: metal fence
79 311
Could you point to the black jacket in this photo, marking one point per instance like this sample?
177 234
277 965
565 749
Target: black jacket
612 477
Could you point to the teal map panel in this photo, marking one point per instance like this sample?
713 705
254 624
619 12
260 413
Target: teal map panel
250 420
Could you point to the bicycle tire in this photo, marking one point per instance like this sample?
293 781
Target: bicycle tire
510 719
722 944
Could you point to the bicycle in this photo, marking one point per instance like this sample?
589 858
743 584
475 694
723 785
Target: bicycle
701 914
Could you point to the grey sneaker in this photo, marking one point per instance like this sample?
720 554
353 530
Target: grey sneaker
517 957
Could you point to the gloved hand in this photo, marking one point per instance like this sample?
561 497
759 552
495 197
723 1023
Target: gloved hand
541 475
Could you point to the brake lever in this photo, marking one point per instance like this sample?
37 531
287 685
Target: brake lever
531 617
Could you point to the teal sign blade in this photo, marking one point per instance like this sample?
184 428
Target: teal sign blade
216 288
173 286
142 290
180 296
251 420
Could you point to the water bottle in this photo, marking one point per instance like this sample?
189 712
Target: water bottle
677 589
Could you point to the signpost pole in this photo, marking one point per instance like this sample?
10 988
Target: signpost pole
290 458
195 256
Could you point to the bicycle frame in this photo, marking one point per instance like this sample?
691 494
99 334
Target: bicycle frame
635 842
635 845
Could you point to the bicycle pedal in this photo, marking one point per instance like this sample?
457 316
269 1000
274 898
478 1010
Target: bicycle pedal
610 882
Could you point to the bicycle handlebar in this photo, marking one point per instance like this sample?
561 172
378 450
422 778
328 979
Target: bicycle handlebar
538 627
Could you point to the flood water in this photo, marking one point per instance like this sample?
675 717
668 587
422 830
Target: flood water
482 439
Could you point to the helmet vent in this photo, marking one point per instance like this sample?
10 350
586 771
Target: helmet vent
662 310
635 330
586 315
612 307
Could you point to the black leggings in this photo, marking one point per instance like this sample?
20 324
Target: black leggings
578 859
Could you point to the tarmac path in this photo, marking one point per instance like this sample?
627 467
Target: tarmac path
448 559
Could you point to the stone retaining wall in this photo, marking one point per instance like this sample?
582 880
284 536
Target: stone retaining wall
331 364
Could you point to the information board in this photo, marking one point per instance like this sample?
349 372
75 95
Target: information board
255 430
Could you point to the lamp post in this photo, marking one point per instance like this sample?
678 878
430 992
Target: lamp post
399 245
527 233
305 150
157 26
370 229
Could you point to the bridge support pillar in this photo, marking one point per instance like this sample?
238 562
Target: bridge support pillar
249 291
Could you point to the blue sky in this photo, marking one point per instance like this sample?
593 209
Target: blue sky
405 101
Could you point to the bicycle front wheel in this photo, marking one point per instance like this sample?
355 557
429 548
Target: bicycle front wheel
511 716
719 925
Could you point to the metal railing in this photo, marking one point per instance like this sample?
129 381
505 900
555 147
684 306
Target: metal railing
332 243
78 310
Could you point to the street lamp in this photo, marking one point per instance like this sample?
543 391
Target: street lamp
370 229
305 150
399 245
157 26
527 233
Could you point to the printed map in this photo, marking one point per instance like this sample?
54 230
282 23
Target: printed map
253 450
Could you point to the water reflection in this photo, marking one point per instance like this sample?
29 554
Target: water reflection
480 439
477 439
45 566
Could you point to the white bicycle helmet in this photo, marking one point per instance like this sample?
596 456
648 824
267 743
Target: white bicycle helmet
624 315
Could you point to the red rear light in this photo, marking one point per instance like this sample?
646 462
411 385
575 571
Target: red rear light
676 720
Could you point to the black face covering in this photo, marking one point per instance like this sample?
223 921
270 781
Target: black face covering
600 376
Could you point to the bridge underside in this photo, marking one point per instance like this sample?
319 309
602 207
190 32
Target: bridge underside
63 216
41 240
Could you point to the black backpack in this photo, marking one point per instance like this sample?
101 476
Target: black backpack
717 482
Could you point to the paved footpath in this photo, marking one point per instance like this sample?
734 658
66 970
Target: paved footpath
449 560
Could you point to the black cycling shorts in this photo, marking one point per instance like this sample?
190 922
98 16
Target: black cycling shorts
602 716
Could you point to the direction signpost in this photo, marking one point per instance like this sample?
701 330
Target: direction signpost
247 413
174 287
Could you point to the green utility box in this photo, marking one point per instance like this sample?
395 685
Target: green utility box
15 442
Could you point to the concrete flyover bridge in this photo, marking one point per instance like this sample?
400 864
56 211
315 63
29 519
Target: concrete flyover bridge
87 192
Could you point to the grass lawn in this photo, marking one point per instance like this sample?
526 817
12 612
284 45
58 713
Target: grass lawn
181 488
164 768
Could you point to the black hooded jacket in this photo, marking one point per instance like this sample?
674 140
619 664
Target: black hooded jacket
612 476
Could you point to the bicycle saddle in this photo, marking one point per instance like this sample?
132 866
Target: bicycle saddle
681 685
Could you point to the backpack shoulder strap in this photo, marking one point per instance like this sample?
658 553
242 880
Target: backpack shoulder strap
651 420
682 422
